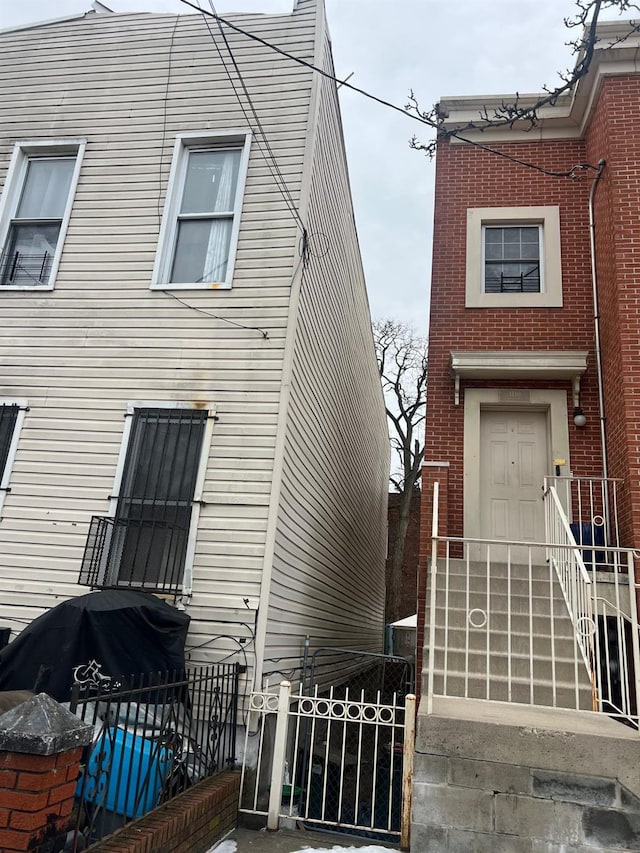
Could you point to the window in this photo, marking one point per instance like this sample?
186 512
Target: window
12 414
36 205
513 257
200 226
148 540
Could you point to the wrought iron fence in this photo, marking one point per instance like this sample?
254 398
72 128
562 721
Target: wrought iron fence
154 736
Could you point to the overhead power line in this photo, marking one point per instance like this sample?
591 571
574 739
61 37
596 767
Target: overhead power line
571 173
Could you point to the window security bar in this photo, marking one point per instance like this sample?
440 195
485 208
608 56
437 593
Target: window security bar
144 546
25 268
528 282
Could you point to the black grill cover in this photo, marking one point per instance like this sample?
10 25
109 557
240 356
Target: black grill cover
124 631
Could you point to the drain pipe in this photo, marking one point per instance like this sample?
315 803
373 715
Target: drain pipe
596 327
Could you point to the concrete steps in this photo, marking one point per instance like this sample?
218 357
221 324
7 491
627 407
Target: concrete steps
521 647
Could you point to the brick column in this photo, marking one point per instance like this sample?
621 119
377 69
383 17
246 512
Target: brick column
432 472
40 748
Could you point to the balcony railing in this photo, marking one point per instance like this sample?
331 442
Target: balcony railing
134 553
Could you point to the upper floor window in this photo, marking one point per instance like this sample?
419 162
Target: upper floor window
513 258
201 221
34 212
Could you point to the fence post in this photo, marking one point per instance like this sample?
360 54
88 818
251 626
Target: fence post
407 769
279 755
40 749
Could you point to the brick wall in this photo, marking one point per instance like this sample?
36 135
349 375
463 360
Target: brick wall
36 797
191 823
468 177
613 135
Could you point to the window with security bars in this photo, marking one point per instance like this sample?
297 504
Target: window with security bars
8 419
512 259
144 545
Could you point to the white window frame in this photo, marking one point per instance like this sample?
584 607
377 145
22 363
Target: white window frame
187 575
5 476
24 151
548 220
169 227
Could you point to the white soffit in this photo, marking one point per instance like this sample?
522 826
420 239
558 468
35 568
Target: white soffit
509 364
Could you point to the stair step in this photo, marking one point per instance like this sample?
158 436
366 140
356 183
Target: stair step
500 602
456 618
458 639
520 691
475 663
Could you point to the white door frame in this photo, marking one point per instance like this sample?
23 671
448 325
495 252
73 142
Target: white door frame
553 402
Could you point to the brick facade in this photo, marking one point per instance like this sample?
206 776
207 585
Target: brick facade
469 177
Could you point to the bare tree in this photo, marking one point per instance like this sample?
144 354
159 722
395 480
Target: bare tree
402 362
525 111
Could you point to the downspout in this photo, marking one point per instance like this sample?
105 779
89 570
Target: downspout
596 320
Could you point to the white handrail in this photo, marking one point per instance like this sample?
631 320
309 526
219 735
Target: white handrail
573 578
432 600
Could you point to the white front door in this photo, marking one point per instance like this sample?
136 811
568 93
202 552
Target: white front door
514 459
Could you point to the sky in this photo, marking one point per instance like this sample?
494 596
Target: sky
435 48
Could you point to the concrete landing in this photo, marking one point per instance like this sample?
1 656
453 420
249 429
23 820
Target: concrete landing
291 841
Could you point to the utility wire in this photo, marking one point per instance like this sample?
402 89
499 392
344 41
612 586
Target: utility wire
272 163
263 332
571 173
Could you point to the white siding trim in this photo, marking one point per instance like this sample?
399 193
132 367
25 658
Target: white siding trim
23 406
173 197
13 189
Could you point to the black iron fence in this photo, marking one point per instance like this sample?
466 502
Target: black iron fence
154 737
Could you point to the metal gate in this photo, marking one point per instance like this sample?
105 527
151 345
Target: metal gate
331 759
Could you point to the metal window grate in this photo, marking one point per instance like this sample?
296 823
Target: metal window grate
144 546
22 268
8 418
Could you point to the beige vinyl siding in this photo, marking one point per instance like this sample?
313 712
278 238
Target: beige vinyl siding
80 353
328 564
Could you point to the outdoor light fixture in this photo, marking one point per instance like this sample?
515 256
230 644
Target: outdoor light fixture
579 417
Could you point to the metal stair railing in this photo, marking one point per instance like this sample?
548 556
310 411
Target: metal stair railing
611 617
565 557
551 623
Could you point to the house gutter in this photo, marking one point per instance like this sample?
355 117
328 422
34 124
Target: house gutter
596 321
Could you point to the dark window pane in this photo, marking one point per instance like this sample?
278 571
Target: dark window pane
8 417
512 259
155 502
